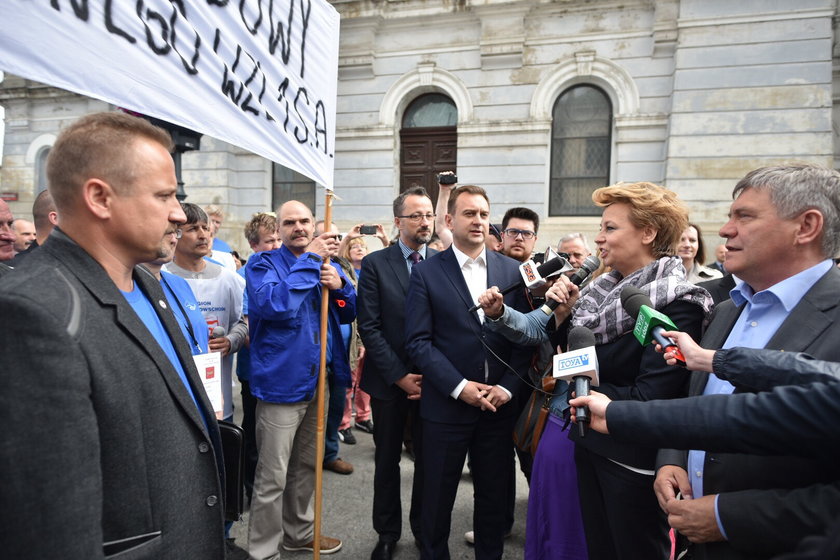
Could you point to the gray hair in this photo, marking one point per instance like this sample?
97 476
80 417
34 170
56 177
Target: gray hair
797 187
572 237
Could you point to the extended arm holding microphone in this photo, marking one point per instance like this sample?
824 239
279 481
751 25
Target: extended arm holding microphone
533 276
769 423
530 329
527 329
754 369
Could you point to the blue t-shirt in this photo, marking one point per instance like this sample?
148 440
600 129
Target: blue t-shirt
220 245
182 300
143 307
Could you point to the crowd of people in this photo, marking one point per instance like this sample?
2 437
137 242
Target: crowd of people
133 320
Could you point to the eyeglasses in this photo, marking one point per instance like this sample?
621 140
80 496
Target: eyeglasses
417 218
526 234
178 233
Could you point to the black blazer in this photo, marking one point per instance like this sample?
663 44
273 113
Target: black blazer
103 449
800 416
765 504
381 321
445 341
719 287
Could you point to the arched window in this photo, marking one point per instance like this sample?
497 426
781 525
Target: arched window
580 150
432 109
428 141
41 169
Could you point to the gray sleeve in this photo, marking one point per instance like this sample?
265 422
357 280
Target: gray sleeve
520 328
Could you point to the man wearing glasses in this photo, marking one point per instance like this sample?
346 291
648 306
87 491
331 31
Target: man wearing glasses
389 376
519 233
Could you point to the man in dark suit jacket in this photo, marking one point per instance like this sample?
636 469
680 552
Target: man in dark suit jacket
719 288
389 376
110 446
466 384
751 506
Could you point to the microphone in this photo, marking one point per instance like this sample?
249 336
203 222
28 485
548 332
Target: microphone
533 276
587 267
579 366
218 332
650 323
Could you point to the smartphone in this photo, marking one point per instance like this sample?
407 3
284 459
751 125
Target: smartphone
367 230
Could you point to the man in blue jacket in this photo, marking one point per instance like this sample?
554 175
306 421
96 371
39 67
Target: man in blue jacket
284 303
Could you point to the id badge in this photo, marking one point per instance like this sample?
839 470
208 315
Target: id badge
209 368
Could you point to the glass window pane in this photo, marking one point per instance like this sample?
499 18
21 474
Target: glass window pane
288 184
580 151
432 109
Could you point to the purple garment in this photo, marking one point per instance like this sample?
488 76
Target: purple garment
554 530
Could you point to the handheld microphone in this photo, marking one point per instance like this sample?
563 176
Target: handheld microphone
218 332
532 276
588 266
650 323
579 366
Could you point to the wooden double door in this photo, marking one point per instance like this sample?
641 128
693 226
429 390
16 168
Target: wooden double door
425 152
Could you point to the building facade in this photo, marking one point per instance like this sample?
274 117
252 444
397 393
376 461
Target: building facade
538 101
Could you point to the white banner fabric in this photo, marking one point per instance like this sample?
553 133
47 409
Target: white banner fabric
259 74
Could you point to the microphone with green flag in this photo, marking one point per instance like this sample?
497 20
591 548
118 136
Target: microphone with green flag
650 323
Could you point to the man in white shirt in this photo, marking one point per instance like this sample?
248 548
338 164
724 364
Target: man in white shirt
218 292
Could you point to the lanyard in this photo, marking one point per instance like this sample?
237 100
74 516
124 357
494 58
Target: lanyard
184 315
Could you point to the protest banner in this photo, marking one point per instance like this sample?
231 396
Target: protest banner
259 74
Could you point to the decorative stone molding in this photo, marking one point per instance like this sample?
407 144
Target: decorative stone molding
426 78
586 67
43 141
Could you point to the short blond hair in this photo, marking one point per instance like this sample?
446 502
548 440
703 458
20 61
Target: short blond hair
651 206
214 210
260 221
345 252
98 145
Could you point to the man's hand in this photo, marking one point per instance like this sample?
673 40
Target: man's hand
597 404
695 519
566 294
221 344
329 277
696 357
492 302
325 245
382 236
411 383
496 396
670 480
475 394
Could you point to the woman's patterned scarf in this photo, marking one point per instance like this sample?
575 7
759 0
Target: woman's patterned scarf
599 307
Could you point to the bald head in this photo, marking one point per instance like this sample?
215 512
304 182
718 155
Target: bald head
44 215
297 226
25 234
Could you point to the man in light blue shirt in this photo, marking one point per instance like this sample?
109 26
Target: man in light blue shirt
782 232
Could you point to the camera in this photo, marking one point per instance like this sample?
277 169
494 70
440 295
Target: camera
367 230
447 179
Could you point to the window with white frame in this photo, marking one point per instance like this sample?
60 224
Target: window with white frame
580 150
